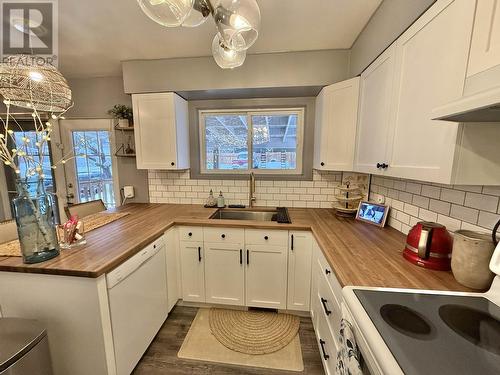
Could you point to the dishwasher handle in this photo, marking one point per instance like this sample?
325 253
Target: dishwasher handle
130 266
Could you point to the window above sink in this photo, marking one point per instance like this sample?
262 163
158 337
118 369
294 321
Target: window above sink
266 141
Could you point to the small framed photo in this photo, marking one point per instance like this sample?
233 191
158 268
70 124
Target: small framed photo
372 213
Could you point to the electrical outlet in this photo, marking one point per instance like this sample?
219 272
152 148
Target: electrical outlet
128 192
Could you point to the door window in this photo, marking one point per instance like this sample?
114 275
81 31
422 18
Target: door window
94 167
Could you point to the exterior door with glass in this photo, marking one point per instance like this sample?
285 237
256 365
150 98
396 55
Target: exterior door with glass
89 161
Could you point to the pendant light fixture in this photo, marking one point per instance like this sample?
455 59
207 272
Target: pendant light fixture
169 13
237 21
225 57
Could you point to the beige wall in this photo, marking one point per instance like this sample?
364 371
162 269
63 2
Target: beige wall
387 23
93 97
292 69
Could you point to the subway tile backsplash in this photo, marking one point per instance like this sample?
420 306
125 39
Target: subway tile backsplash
457 207
178 187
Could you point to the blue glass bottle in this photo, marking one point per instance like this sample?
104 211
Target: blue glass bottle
34 212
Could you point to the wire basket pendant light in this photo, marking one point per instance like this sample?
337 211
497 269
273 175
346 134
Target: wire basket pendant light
28 82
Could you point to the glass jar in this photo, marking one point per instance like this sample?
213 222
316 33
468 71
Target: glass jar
35 218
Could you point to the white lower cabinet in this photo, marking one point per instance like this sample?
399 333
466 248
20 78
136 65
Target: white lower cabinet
192 271
326 315
173 270
224 274
299 271
246 267
266 276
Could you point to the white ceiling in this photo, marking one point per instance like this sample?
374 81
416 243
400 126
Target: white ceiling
95 35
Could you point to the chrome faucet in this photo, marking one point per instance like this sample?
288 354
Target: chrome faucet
251 195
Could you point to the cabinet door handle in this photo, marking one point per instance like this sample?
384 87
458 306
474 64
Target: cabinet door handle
379 165
199 254
172 164
322 343
322 164
241 256
292 243
327 271
323 302
248 257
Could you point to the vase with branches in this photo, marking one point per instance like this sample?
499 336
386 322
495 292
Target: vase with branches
43 90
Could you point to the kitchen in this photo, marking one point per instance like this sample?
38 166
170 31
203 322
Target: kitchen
257 201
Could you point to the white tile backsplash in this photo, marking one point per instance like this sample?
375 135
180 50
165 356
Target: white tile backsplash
178 187
457 207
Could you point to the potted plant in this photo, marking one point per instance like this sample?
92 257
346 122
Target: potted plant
122 112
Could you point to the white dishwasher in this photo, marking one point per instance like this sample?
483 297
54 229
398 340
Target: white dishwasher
137 292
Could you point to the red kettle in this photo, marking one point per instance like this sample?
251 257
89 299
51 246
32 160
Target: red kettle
429 245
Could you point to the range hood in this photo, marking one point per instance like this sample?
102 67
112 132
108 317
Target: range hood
478 107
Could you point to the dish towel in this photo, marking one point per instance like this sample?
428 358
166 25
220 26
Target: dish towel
348 356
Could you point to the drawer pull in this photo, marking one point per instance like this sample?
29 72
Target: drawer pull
223 235
248 257
323 302
199 254
266 238
190 234
327 271
322 343
241 256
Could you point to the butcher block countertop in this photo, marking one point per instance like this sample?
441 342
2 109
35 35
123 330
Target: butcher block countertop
360 254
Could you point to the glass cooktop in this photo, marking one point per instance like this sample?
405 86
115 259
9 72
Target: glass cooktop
437 334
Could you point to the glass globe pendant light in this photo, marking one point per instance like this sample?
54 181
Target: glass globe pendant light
169 13
238 22
198 15
225 57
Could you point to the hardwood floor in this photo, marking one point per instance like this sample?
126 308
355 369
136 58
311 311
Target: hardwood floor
161 356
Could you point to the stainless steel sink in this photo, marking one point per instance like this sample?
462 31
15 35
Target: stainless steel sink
228 214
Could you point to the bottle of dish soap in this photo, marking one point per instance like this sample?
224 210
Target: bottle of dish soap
211 200
220 200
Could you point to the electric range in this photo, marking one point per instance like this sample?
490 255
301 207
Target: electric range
427 332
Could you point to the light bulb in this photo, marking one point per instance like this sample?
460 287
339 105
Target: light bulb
238 22
36 76
225 57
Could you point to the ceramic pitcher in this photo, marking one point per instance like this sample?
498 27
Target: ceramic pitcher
470 259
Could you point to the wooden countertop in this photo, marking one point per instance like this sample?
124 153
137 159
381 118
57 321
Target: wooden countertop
360 254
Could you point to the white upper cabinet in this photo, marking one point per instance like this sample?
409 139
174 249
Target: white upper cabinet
485 46
424 69
431 63
161 131
335 131
373 133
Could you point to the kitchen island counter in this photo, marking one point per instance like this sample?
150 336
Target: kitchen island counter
360 254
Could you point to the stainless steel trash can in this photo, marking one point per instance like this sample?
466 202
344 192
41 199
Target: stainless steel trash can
24 349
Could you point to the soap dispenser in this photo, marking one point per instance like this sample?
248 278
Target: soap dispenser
220 200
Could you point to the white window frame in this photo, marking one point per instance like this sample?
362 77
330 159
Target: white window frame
248 113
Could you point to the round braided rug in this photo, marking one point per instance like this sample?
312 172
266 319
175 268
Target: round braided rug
253 332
